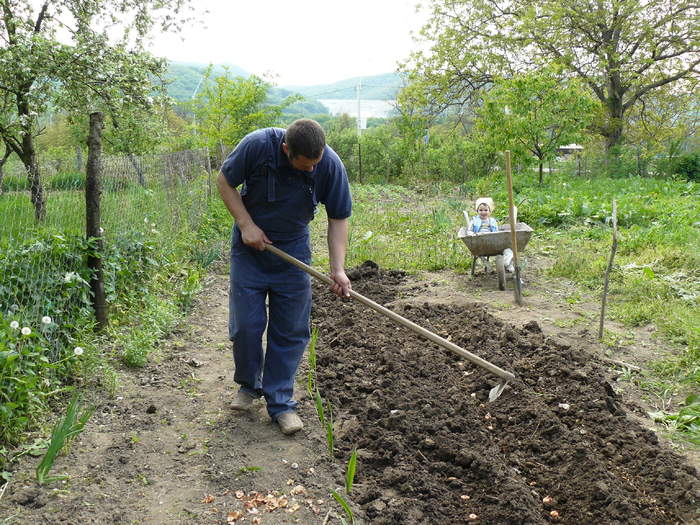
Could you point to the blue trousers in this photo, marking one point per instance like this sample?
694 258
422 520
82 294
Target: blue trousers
257 277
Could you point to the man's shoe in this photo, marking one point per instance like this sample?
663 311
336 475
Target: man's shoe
242 401
290 423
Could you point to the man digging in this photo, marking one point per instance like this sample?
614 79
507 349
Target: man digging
284 175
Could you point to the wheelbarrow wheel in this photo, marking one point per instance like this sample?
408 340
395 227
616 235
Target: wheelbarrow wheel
501 271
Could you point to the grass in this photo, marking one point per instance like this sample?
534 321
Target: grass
398 228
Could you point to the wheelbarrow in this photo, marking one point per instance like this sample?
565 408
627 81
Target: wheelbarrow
490 244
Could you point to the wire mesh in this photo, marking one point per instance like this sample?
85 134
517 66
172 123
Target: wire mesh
42 263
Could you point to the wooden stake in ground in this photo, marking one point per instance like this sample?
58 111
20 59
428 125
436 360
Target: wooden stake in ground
607 270
513 235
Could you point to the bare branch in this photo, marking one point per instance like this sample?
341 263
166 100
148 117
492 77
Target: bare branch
40 18
661 82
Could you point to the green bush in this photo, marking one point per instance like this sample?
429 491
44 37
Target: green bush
688 166
46 276
45 289
14 183
30 370
70 180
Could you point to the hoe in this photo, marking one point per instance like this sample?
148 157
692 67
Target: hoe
505 376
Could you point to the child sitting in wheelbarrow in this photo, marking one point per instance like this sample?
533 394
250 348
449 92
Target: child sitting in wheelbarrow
483 222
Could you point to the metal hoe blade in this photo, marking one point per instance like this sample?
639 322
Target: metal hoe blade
496 391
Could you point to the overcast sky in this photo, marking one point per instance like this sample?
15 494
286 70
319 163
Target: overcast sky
302 42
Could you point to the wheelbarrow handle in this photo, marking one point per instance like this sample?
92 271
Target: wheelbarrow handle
506 376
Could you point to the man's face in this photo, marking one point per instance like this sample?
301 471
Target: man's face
300 162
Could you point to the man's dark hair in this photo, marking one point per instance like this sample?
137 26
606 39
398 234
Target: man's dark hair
305 137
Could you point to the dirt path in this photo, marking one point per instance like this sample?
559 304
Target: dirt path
563 438
168 450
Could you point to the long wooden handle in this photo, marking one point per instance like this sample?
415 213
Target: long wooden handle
513 233
397 318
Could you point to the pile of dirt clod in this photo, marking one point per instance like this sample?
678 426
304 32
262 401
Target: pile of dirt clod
557 445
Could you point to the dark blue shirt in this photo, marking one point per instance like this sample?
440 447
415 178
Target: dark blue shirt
282 200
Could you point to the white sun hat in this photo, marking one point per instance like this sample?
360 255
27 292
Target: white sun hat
484 200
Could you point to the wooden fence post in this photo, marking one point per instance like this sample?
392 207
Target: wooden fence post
607 270
209 174
513 233
93 191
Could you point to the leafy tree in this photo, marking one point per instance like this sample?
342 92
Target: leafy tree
226 109
102 64
621 49
662 124
535 113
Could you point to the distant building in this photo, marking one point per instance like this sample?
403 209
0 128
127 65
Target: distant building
569 149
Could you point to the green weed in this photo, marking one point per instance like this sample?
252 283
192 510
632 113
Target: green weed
350 471
311 377
246 470
685 421
152 268
65 430
344 505
320 411
330 438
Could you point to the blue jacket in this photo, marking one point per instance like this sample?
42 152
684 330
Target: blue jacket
475 224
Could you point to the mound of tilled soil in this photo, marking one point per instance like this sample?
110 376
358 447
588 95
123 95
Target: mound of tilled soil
557 446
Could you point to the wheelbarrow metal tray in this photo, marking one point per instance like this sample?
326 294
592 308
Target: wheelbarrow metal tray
493 243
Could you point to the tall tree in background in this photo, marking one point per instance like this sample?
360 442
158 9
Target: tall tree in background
662 124
535 113
226 109
621 49
97 62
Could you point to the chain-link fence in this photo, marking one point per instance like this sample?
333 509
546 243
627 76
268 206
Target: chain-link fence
145 199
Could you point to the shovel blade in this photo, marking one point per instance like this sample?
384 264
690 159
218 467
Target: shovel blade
496 391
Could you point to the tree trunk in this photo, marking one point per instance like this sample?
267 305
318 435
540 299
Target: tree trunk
93 191
27 154
29 160
639 162
6 156
541 170
613 133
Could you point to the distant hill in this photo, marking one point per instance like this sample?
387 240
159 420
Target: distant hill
183 77
376 87
304 107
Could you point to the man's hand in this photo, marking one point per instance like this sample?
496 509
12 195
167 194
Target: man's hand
253 236
250 233
341 284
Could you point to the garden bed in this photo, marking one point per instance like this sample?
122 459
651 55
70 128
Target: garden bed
557 446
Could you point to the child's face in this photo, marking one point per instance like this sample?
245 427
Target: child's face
484 211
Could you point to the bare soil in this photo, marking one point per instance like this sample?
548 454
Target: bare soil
565 443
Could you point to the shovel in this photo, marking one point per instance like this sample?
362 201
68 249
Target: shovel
494 393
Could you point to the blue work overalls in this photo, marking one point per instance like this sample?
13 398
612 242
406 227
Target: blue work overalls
257 276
